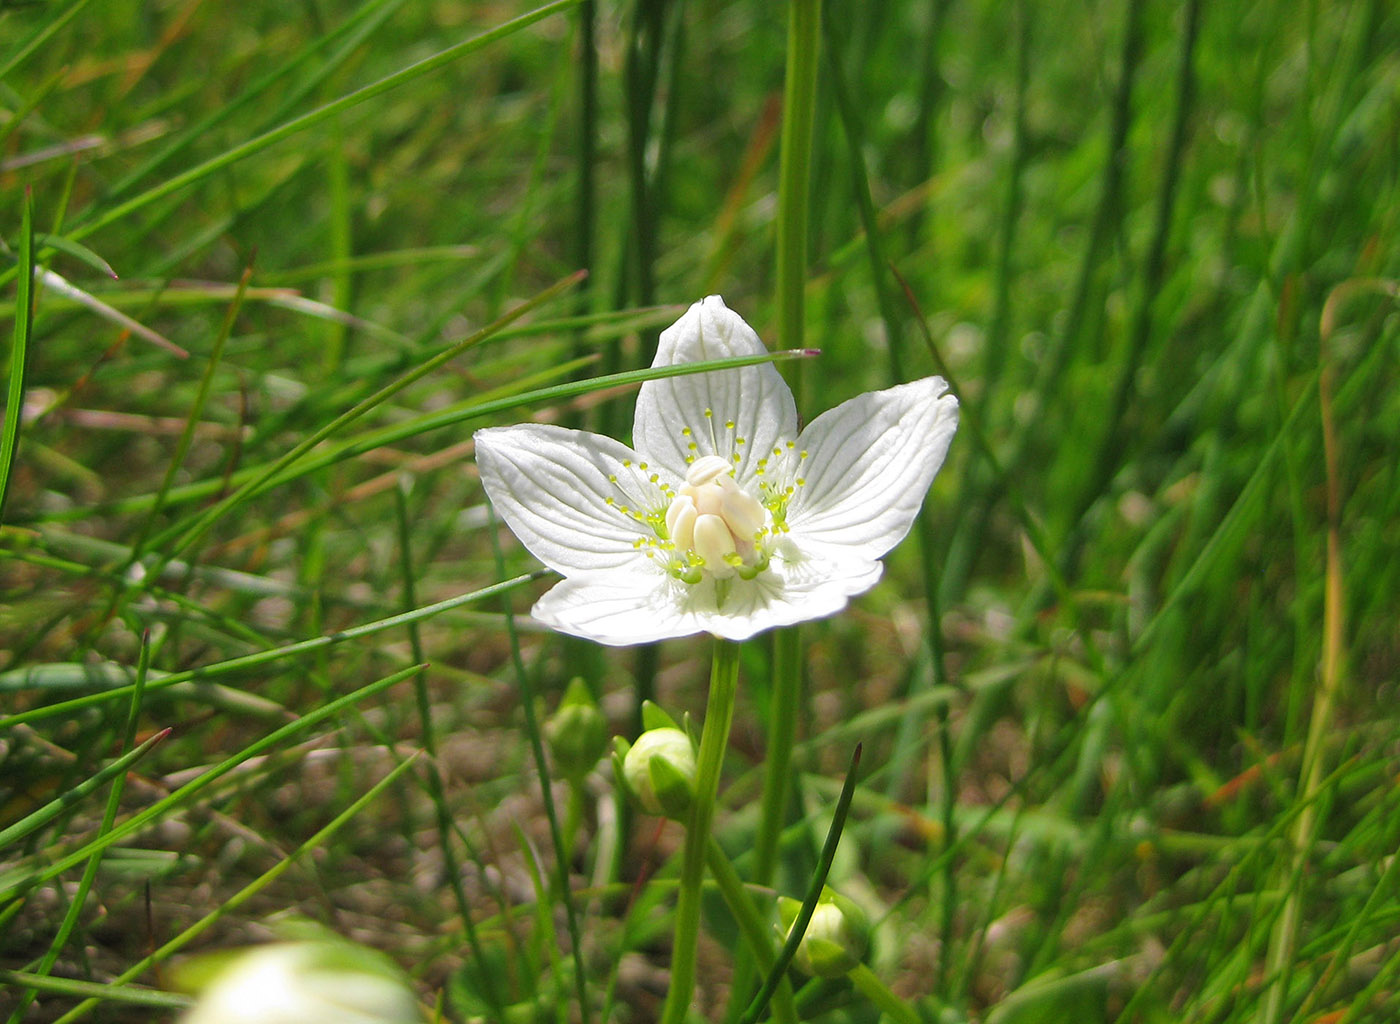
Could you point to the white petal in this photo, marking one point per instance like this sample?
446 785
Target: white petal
783 595
755 399
869 464
618 608
552 486
636 606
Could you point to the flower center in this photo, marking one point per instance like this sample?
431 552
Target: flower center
716 526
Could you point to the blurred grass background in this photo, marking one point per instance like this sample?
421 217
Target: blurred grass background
1152 243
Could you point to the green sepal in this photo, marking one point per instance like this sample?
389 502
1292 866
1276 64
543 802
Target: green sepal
654 718
673 790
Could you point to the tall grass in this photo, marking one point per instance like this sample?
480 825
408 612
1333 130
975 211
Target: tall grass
1126 700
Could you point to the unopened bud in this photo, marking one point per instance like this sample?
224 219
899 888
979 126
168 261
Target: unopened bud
577 733
659 769
835 938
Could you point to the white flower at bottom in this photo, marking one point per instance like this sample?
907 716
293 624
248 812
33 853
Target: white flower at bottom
306 983
726 518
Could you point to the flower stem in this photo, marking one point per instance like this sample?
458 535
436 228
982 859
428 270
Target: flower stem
870 986
794 178
573 817
777 787
757 931
719 714
794 172
782 729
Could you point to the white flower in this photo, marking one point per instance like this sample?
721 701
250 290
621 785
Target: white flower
725 518
306 983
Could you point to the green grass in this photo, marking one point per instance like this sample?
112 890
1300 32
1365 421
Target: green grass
1126 698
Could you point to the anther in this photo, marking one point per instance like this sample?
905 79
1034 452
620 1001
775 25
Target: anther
703 470
713 543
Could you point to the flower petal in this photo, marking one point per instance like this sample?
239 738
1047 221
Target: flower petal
744 412
567 494
640 605
784 595
618 608
868 466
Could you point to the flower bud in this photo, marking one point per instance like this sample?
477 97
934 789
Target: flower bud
303 982
659 769
835 938
577 733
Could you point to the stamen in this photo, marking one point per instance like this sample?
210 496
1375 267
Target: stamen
743 513
702 471
714 543
711 526
680 522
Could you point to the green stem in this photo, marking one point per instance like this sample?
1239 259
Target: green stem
587 149
870 986
573 817
794 177
719 714
757 931
782 730
794 169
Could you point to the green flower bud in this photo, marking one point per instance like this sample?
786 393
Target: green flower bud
577 733
659 769
836 936
297 982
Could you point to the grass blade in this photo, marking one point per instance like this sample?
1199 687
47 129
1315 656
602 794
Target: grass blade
19 350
